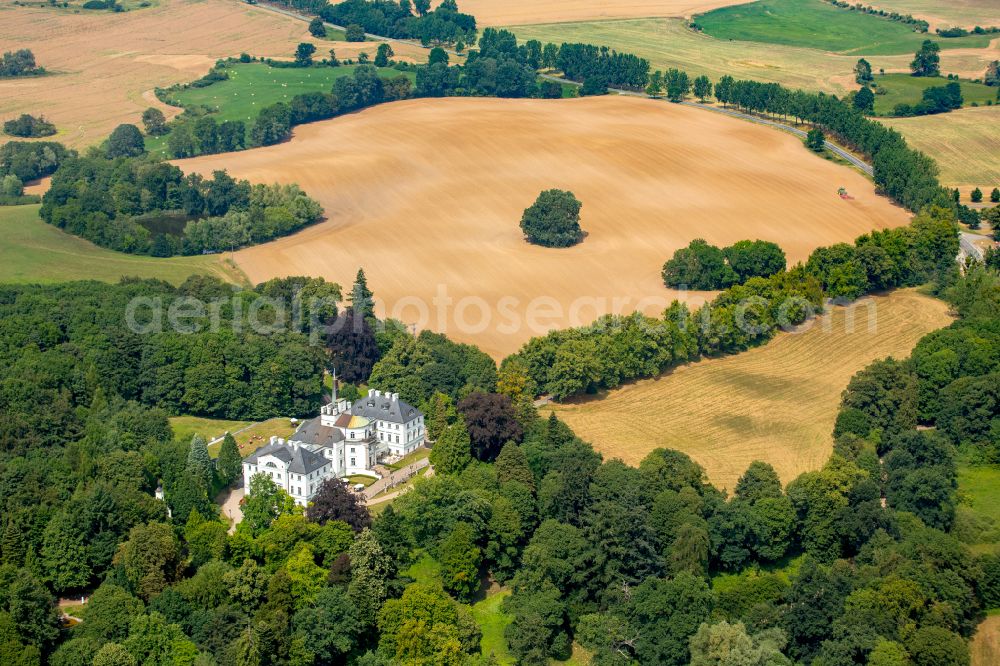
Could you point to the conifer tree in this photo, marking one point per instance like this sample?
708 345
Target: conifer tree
361 296
229 463
199 463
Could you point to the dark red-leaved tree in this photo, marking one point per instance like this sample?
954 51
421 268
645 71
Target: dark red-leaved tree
353 349
489 418
334 501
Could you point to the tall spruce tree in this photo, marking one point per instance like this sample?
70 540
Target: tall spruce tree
229 463
199 463
362 298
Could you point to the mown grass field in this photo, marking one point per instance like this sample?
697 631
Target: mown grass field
32 251
667 42
775 403
819 25
906 89
252 86
964 143
186 427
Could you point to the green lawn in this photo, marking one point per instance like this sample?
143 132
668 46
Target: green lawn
978 521
415 456
492 621
906 89
252 86
424 570
32 251
186 427
820 25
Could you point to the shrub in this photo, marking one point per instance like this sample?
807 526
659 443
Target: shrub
553 220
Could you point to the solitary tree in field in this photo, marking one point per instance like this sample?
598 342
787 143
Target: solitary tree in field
437 55
864 100
553 220
354 33
815 140
304 54
863 72
702 88
126 141
316 28
383 54
927 61
154 121
977 195
995 195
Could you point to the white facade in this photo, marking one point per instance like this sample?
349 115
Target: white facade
343 440
300 483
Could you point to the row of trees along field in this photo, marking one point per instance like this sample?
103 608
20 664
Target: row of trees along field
647 564
498 67
616 349
141 205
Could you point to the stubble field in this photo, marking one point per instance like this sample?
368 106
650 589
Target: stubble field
105 65
516 12
427 195
965 144
946 13
775 403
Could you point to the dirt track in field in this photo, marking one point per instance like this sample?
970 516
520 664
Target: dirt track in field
776 403
524 12
104 65
427 195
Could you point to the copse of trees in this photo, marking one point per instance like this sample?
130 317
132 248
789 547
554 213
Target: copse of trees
145 206
444 25
553 220
30 160
582 62
19 63
702 266
29 126
936 99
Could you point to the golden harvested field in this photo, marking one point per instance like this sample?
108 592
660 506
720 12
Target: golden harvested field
669 43
427 196
985 647
105 65
965 144
518 12
946 13
775 403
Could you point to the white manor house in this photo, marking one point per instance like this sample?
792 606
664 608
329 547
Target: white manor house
345 439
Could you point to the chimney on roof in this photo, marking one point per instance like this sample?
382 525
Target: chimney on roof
378 394
371 392
394 397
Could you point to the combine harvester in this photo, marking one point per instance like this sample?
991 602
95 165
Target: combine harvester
844 195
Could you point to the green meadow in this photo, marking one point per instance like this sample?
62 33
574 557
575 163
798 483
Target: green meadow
906 89
820 25
33 251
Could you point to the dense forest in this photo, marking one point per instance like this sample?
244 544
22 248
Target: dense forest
858 562
142 205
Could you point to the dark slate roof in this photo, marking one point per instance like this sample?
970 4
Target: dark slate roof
314 433
299 459
380 407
